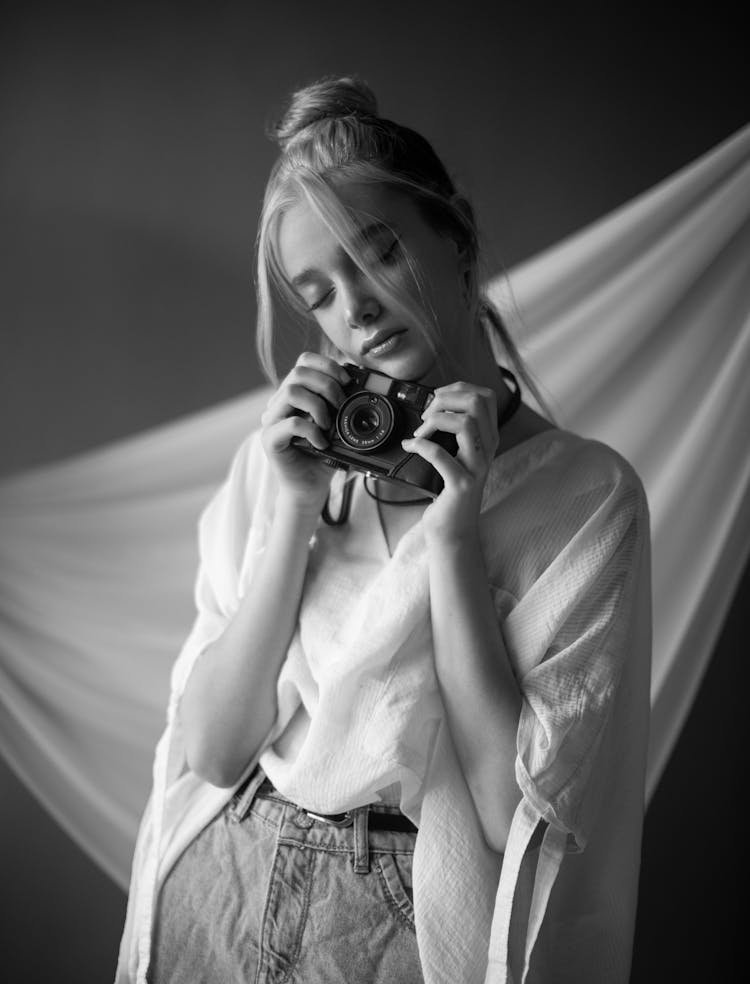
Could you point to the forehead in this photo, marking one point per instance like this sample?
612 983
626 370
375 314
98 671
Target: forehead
304 237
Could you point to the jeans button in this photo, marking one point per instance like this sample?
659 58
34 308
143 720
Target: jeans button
302 820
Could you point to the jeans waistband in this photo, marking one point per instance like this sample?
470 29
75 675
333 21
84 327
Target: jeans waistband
355 826
258 784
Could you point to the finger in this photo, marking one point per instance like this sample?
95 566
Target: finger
464 397
324 364
278 436
448 467
294 398
328 386
477 402
476 442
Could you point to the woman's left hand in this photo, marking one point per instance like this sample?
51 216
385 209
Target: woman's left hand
469 412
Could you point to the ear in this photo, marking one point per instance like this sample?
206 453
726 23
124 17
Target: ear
467 276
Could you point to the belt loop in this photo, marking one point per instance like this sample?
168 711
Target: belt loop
361 841
243 798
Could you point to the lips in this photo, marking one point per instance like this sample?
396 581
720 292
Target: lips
378 338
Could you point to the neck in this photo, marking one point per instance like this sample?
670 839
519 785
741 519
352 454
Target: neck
477 366
480 368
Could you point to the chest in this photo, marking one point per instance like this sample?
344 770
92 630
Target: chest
395 521
373 527
366 585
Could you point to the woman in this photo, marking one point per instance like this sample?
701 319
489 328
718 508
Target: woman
402 713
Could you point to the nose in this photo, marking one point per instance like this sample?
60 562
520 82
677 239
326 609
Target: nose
361 307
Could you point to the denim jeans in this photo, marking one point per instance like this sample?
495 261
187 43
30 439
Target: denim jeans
268 894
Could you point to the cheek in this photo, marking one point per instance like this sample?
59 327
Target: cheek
331 327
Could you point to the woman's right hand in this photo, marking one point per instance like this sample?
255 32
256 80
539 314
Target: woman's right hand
314 388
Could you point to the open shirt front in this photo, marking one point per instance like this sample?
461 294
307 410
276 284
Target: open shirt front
565 536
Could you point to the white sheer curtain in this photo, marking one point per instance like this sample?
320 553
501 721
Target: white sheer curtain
638 328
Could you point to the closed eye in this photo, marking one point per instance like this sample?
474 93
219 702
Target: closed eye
392 251
321 301
389 256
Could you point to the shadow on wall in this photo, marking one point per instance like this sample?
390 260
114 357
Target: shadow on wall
162 323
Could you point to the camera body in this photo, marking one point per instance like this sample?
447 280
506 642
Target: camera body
377 414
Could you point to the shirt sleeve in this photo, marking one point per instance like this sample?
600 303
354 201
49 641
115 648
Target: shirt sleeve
569 639
232 531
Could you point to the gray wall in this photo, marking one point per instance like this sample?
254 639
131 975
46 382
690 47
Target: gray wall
131 172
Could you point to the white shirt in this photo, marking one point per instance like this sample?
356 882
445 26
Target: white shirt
565 536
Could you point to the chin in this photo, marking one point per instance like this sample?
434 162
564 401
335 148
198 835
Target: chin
434 374
414 369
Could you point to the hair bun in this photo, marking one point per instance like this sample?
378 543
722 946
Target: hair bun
326 99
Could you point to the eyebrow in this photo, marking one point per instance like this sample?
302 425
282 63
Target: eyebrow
310 273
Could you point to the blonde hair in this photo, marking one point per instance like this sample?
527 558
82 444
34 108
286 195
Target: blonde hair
332 134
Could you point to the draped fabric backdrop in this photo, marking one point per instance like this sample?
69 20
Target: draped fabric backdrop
638 328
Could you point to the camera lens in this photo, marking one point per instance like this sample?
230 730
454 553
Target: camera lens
365 421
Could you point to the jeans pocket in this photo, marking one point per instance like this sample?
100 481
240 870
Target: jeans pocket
395 876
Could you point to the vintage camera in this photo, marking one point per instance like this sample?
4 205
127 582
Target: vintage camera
377 414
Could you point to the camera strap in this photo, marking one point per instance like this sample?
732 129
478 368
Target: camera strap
396 502
346 501
515 399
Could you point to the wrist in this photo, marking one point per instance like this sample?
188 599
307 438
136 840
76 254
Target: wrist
452 542
301 510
